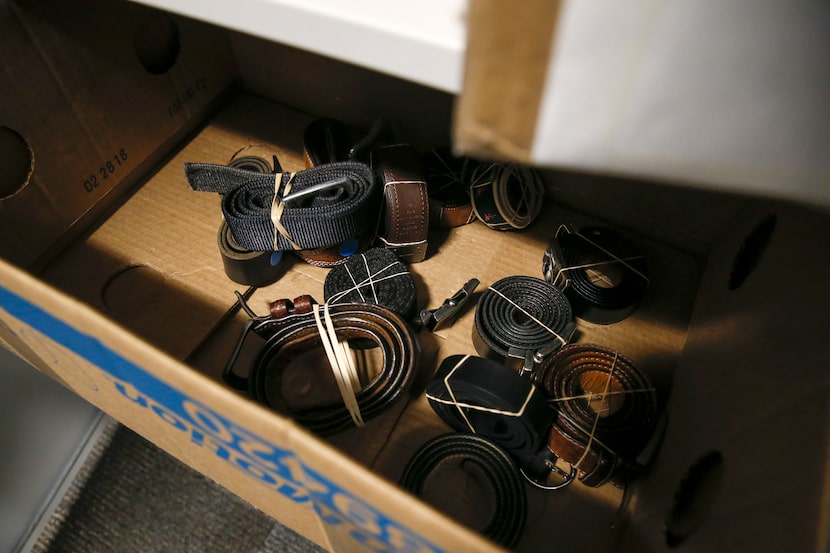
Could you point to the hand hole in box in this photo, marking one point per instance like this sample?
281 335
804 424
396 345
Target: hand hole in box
132 288
156 43
694 497
18 162
751 251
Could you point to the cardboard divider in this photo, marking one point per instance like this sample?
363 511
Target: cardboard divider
138 270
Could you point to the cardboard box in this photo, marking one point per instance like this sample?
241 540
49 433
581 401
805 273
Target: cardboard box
707 94
137 318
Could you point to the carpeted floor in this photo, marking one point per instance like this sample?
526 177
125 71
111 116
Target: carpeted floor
131 497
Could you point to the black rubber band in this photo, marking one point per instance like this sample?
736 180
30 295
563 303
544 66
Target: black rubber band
510 509
520 320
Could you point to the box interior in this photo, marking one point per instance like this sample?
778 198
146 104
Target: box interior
152 267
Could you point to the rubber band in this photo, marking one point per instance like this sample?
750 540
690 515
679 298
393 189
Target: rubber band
341 363
358 285
592 436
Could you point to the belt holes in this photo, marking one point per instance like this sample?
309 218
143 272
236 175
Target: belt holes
18 162
694 497
750 252
156 43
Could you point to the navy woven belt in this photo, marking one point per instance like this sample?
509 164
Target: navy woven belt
343 204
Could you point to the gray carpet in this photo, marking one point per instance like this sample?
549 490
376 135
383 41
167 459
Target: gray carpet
131 497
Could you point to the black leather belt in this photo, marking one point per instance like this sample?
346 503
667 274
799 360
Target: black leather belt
520 320
506 197
449 192
493 463
291 329
261 218
606 412
405 219
375 276
477 395
601 272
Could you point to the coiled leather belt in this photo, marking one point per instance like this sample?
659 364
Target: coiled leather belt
520 320
606 412
601 272
291 329
493 463
473 394
506 197
261 221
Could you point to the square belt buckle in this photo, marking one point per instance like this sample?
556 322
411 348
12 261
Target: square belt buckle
410 252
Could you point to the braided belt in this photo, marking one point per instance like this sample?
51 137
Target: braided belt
506 197
260 220
293 328
493 463
601 272
520 320
606 412
375 276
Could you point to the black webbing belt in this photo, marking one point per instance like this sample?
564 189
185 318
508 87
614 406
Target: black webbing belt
260 221
291 330
493 463
520 320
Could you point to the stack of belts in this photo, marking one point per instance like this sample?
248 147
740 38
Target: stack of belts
261 220
297 327
252 268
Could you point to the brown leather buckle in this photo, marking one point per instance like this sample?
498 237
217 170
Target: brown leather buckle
412 252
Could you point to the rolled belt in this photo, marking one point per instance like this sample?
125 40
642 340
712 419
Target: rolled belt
510 500
606 412
405 219
506 197
520 320
601 272
260 220
291 329
473 394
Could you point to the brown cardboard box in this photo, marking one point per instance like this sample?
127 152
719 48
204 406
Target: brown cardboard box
137 317
715 95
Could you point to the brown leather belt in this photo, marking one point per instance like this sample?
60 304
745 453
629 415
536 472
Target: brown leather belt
606 412
405 219
291 330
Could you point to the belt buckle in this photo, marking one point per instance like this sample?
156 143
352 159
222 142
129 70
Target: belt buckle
544 465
